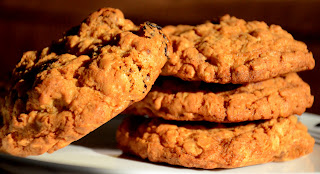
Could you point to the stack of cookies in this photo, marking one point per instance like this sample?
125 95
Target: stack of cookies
228 97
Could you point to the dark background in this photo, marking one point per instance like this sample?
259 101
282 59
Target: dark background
34 24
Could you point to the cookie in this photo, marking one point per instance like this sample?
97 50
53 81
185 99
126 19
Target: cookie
67 90
234 51
174 99
212 145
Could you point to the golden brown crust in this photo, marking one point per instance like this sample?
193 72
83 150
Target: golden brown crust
174 99
234 51
192 144
67 90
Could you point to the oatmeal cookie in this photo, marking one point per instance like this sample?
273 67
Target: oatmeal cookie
67 90
174 99
234 51
212 145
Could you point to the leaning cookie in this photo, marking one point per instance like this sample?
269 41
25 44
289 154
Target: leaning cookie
65 91
234 51
174 99
210 145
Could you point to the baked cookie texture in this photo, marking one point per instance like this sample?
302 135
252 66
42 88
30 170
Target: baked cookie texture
65 91
174 99
210 145
234 51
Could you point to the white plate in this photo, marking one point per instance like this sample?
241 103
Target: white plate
102 157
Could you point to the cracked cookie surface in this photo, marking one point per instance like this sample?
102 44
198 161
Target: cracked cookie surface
234 51
174 99
211 145
67 90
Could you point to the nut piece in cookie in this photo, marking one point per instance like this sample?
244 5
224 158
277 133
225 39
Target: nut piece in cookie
67 90
234 51
174 99
211 145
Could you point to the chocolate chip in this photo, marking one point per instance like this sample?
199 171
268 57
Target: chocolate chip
154 25
215 21
166 50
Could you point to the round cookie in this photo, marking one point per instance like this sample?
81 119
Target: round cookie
234 51
174 99
211 145
67 90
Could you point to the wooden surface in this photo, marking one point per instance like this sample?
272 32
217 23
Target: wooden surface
34 24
